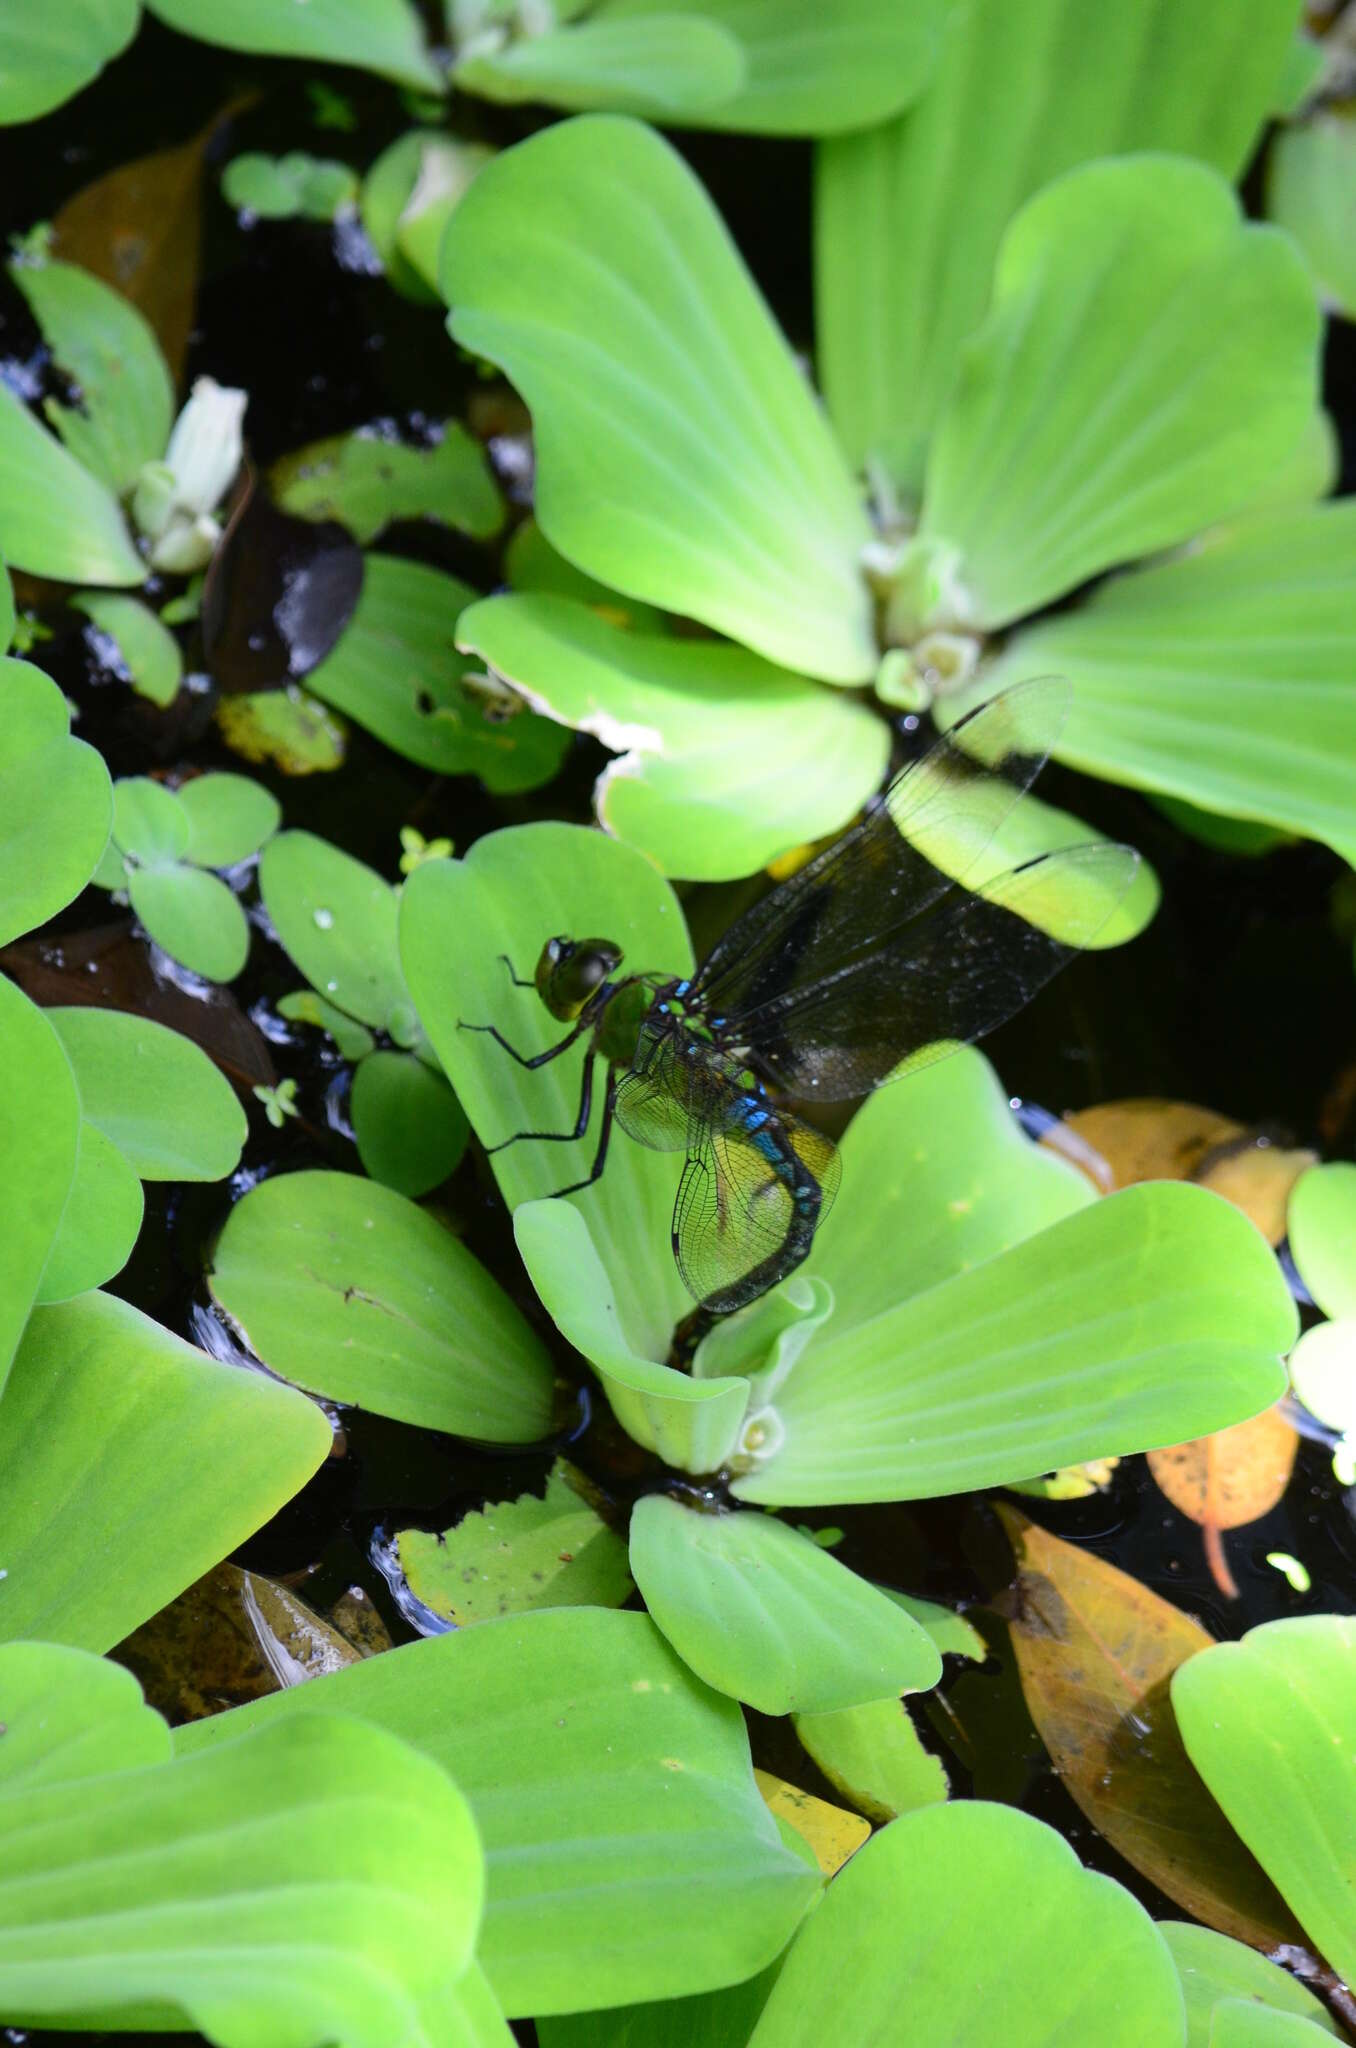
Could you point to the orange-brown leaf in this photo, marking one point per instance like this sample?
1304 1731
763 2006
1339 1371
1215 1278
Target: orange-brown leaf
1233 1477
1147 1138
1095 1651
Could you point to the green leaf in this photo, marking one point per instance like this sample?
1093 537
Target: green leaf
108 348
680 457
692 1423
724 761
336 919
514 890
532 565
291 187
365 480
55 518
1322 1225
154 1093
349 1290
1323 1373
810 70
410 1128
229 818
1311 193
628 1853
958 1912
354 1041
938 1177
70 1715
1223 677
100 1223
56 803
124 1434
1240 2024
1155 1315
7 612
765 1615
1270 1724
150 824
39 1146
288 727
517 1555
310 1882
873 1758
384 36
1214 1967
1148 360
909 215
713 2019
665 63
397 671
385 193
446 168
194 916
48 54
143 651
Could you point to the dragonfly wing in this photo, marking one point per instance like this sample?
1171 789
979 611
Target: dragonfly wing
884 872
653 1101
948 979
738 1225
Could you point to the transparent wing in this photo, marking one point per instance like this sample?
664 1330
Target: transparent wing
737 1229
666 1087
883 873
952 976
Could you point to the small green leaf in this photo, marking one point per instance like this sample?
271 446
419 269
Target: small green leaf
295 186
150 824
409 1126
336 919
294 730
107 347
39 1147
397 671
55 518
1149 358
770 1618
680 457
633 1812
100 1223
1323 1373
56 803
351 1291
1213 1967
1154 1316
724 761
366 480
144 651
194 916
666 64
154 1093
873 1758
1322 1224
1222 677
229 818
385 36
1311 193
119 1426
517 1555
909 214
354 1041
313 1881
49 53
1270 1724
956 1912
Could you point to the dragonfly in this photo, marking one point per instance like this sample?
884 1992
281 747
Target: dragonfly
871 961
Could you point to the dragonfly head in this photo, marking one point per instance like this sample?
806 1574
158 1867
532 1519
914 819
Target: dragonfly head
571 970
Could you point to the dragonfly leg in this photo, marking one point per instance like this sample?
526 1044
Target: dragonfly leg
540 1059
514 976
595 1172
559 1137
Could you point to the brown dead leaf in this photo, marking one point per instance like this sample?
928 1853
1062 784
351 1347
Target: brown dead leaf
231 1637
1096 1651
1227 1480
1148 1138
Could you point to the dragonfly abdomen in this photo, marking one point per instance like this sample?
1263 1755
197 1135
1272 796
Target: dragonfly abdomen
788 1201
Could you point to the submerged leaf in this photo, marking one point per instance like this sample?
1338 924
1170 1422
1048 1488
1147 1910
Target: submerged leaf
517 1555
1096 1651
290 728
1229 1479
278 594
365 480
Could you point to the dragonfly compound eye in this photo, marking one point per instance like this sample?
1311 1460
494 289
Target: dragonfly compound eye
571 970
